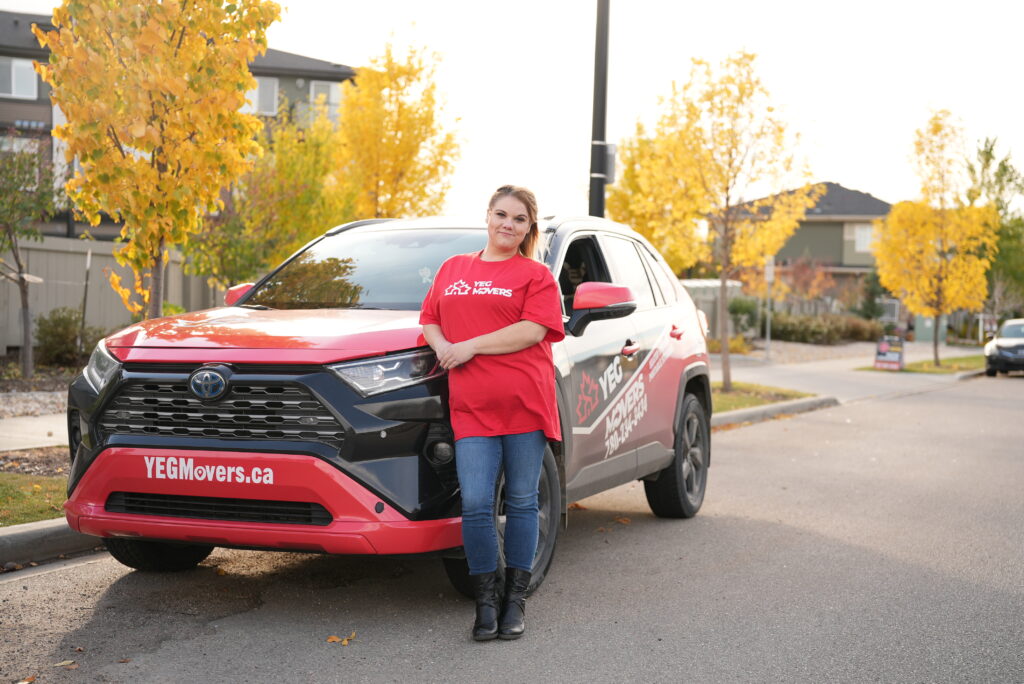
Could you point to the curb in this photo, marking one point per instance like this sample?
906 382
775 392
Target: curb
43 540
757 414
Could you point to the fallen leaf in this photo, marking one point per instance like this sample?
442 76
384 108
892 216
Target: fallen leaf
352 635
125 660
221 571
72 666
344 642
27 680
78 649
623 520
577 506
64 663
601 529
333 639
37 487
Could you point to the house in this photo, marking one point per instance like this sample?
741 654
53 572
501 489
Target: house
61 259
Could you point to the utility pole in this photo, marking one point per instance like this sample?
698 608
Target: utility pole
598 146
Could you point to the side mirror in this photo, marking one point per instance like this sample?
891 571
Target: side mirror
237 292
598 302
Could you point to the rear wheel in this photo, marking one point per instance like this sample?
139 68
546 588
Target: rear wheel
154 556
990 371
678 491
549 504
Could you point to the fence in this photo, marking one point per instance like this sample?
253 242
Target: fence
61 263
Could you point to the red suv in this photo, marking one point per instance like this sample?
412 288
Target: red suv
308 414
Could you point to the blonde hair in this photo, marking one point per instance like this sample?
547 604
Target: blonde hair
529 243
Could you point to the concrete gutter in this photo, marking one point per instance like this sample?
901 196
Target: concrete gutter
43 540
756 414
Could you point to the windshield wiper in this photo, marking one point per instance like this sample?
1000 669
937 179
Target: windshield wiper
259 307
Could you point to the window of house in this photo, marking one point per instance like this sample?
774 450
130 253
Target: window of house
18 78
862 237
10 144
331 92
263 99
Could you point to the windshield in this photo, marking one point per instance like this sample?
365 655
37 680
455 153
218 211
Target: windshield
365 269
1012 330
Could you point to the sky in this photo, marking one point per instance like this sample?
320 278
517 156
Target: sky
854 80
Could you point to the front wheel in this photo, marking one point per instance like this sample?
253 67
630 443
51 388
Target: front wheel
154 556
990 371
549 519
678 491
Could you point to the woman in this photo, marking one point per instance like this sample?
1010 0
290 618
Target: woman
490 317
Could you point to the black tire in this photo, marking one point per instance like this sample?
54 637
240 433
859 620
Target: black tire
549 503
990 371
678 491
154 556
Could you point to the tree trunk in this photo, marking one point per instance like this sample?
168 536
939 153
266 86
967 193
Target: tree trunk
27 364
156 285
723 330
935 340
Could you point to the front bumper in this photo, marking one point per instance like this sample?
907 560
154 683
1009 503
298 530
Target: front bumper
356 522
1003 362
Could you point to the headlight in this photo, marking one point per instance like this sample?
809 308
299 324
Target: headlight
386 373
102 367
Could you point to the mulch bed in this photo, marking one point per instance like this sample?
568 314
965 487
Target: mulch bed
48 461
45 378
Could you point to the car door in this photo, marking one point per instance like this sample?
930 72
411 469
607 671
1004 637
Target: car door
646 419
595 371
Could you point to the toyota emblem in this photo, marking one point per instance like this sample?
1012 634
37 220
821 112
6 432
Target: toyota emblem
207 384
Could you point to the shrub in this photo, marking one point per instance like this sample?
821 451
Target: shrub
743 311
737 345
829 329
57 337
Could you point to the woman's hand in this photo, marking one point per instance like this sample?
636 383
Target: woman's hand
455 354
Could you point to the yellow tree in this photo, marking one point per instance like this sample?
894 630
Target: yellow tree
718 145
393 152
289 196
152 92
653 199
934 253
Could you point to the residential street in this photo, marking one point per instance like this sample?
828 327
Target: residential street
875 541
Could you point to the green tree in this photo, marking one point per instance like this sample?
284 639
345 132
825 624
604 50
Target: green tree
998 182
152 93
27 195
289 196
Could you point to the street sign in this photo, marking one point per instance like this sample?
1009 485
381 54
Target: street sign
889 353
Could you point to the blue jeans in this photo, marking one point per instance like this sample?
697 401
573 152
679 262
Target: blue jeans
479 460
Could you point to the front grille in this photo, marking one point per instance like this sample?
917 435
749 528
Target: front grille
250 411
216 508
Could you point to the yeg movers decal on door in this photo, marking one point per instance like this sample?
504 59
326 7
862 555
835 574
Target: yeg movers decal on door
182 468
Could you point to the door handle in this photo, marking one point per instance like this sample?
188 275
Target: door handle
630 348
676 333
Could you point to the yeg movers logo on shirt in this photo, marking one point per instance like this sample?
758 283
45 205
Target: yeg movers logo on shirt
479 287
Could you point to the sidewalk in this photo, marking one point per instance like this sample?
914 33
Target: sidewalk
29 432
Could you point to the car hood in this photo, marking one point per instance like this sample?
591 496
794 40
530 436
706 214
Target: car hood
1010 342
306 335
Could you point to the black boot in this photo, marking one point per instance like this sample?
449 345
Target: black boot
485 587
512 622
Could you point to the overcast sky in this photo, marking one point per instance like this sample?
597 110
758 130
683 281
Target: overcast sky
854 79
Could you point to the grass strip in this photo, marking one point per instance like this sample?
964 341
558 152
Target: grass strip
957 364
746 395
28 498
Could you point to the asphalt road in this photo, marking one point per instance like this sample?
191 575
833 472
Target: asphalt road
876 541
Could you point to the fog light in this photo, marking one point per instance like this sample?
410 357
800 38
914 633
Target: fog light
441 453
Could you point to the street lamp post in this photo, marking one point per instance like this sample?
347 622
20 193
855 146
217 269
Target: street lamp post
598 146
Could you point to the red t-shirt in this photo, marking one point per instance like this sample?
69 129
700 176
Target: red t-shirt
498 394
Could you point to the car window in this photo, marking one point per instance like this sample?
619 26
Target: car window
1012 330
365 269
627 269
582 263
662 277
